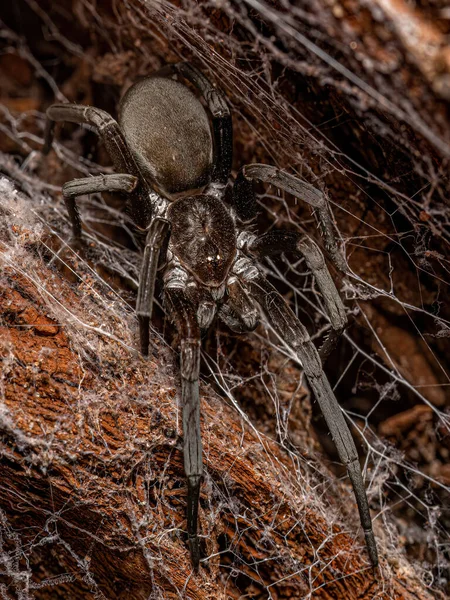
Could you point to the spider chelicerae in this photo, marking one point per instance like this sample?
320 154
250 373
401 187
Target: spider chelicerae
173 161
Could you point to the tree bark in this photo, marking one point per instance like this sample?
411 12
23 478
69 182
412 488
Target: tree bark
92 486
353 97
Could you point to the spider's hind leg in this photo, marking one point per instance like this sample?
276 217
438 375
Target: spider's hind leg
115 182
109 131
245 204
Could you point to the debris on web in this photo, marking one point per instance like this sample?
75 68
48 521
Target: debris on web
92 486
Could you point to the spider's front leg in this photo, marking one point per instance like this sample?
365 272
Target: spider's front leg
184 314
277 242
157 237
292 332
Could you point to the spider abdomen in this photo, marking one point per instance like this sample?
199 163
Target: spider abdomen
168 132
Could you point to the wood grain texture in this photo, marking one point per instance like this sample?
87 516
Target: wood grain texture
92 483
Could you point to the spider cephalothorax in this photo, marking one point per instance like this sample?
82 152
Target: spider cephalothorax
203 237
168 144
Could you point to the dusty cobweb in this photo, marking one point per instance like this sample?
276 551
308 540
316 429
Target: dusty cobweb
388 192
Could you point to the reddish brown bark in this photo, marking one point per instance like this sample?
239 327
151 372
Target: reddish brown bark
92 480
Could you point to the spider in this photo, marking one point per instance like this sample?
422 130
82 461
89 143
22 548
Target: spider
173 161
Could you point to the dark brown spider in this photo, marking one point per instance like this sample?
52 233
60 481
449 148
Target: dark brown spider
207 256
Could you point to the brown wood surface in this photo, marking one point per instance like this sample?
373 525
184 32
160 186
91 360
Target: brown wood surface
92 493
92 481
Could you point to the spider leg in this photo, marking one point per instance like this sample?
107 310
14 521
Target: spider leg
295 335
90 185
156 237
109 131
277 242
221 119
245 204
183 313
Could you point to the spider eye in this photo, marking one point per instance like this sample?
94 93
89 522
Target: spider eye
218 257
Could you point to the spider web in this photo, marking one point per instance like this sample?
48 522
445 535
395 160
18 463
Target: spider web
314 90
